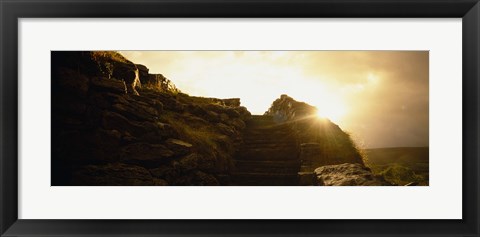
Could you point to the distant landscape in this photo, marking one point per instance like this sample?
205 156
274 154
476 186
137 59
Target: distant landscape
401 165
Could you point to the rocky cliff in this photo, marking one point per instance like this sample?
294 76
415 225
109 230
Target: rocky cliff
320 141
113 123
327 155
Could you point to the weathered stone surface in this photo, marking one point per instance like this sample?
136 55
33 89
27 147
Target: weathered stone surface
116 174
112 120
224 129
244 113
127 72
159 82
136 111
147 155
348 175
108 85
178 147
231 112
237 123
233 102
212 117
224 118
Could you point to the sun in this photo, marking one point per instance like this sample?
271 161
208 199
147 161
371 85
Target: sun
333 111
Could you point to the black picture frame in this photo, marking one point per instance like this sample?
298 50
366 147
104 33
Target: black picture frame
12 10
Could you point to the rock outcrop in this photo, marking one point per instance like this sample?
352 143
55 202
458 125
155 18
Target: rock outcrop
348 175
105 133
321 142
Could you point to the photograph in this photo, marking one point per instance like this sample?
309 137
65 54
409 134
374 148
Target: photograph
240 118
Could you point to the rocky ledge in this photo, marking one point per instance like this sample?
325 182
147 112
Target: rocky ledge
348 175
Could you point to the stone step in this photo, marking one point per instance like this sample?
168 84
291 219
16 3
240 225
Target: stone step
271 163
263 125
261 117
267 166
264 179
260 156
268 149
260 123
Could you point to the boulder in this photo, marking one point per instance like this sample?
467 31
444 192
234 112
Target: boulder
115 174
348 174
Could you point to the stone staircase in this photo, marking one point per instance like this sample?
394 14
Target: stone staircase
268 155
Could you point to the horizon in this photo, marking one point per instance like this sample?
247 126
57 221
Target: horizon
379 97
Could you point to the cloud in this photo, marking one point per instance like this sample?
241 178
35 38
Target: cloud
381 97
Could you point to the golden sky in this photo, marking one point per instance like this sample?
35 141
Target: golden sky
380 97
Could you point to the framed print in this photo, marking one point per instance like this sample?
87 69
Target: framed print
239 118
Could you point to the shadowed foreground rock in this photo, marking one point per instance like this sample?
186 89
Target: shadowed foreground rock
108 129
348 175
